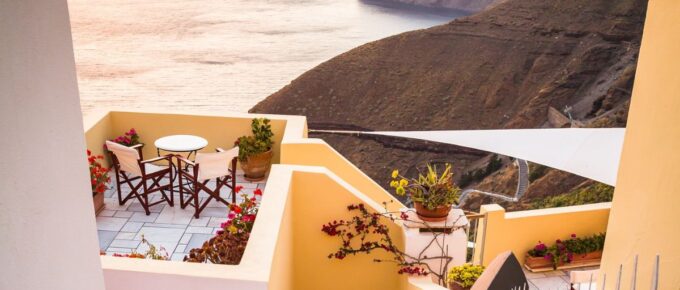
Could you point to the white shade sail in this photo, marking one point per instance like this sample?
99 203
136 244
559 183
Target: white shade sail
589 152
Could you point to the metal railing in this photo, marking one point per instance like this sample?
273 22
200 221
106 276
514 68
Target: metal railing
633 283
473 246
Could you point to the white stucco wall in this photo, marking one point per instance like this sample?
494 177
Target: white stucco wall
48 237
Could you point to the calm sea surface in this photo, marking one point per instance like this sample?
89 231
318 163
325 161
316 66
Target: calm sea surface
218 54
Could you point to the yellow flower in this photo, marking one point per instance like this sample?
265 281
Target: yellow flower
233 229
401 191
394 184
395 173
403 182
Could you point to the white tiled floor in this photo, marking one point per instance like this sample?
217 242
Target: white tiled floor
553 280
120 227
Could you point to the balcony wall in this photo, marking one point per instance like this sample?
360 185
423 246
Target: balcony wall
520 231
221 130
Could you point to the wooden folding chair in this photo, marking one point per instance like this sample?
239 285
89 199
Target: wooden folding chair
129 167
220 166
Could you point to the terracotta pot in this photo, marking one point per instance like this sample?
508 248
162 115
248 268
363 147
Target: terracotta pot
436 215
592 256
537 262
98 200
255 167
456 286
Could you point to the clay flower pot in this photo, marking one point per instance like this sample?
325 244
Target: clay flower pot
537 262
98 200
592 256
456 286
255 167
436 215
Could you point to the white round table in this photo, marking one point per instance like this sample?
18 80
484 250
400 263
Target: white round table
180 143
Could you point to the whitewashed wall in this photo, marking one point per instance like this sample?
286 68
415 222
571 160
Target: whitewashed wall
48 237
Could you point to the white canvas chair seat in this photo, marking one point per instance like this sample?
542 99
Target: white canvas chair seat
152 168
220 166
213 165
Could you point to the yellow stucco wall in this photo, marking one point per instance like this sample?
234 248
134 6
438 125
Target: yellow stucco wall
644 218
520 231
98 128
316 152
317 199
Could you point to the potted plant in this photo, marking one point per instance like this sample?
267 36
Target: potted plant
586 249
255 151
536 258
229 243
432 193
574 252
129 138
99 177
464 276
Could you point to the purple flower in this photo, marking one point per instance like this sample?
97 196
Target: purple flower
540 247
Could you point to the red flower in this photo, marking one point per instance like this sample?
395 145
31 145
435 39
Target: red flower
237 209
258 192
404 216
238 188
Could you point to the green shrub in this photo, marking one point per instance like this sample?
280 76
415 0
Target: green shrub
592 194
465 275
536 171
467 178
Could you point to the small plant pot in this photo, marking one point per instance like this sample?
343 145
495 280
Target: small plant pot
255 167
98 201
456 286
537 262
592 256
438 214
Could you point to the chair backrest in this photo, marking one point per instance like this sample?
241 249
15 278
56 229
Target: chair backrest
587 277
211 165
128 158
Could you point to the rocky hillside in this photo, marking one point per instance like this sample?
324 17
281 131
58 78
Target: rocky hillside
517 64
465 5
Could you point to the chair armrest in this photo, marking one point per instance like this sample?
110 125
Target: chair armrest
183 159
140 145
165 157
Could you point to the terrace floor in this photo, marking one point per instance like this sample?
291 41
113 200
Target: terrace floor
120 227
555 280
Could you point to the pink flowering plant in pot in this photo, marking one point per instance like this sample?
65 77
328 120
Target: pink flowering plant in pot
229 243
129 138
241 217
